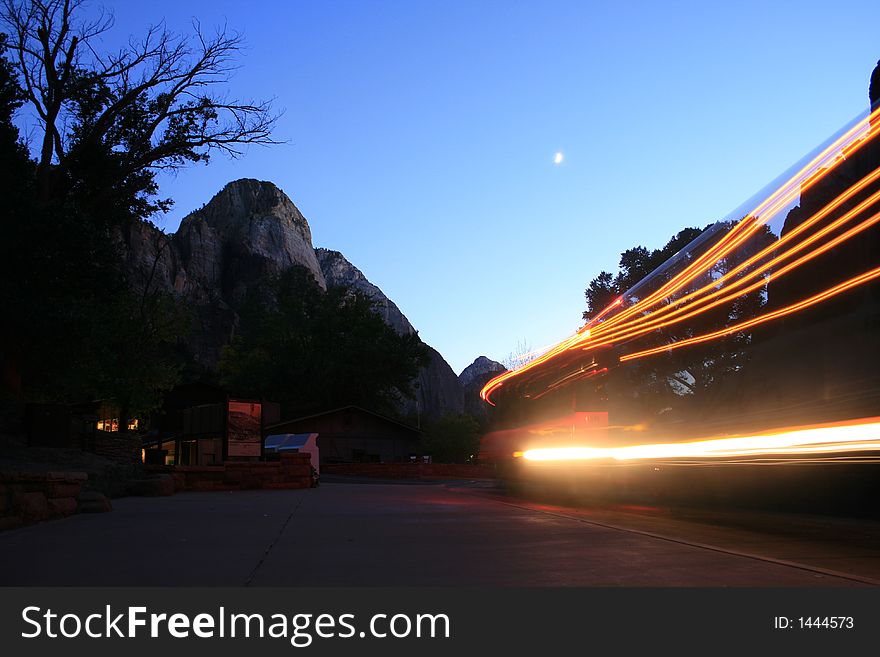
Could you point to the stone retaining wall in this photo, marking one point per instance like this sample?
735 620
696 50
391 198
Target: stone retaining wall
29 497
292 471
121 447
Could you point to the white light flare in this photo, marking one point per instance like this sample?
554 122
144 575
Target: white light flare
558 157
849 437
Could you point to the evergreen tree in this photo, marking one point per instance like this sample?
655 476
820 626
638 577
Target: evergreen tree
313 350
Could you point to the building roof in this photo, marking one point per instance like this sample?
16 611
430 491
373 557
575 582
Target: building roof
287 441
390 420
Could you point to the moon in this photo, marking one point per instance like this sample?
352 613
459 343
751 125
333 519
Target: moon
557 159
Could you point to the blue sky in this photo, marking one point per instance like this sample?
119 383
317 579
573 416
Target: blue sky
421 135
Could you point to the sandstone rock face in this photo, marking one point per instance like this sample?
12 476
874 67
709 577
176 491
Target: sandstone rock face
248 231
478 369
473 378
251 230
437 389
339 272
152 262
160 486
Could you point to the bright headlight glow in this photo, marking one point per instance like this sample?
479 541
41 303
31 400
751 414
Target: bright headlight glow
856 436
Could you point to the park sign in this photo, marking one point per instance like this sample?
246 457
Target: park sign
244 423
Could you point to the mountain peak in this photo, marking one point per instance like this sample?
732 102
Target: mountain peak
248 230
248 199
479 368
339 272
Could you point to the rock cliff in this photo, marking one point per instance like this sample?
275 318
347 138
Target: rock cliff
479 369
438 390
247 232
473 378
339 272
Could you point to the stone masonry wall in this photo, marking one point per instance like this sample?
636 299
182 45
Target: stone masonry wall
29 497
291 471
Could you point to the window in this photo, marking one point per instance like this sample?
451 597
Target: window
108 424
112 424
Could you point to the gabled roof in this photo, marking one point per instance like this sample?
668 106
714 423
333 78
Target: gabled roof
345 408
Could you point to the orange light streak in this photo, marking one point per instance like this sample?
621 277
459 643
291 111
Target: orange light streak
593 320
782 312
654 324
499 380
842 437
667 310
849 142
571 378
731 291
760 215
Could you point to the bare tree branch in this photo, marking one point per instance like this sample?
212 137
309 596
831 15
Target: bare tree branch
150 104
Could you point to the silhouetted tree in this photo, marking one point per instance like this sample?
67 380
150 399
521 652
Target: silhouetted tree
635 265
874 88
599 293
453 438
109 121
520 355
313 350
661 381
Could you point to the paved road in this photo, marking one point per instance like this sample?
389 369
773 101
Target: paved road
374 535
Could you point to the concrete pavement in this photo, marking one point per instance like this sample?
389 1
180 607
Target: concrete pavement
344 534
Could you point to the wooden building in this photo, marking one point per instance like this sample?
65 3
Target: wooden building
352 434
199 424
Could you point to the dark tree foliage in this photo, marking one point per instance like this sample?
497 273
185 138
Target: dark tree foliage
635 264
104 124
874 88
313 350
12 97
671 381
109 121
75 329
600 293
453 438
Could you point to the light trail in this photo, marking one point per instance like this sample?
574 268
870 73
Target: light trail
639 319
595 319
732 292
782 312
527 357
813 172
843 437
499 380
714 287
